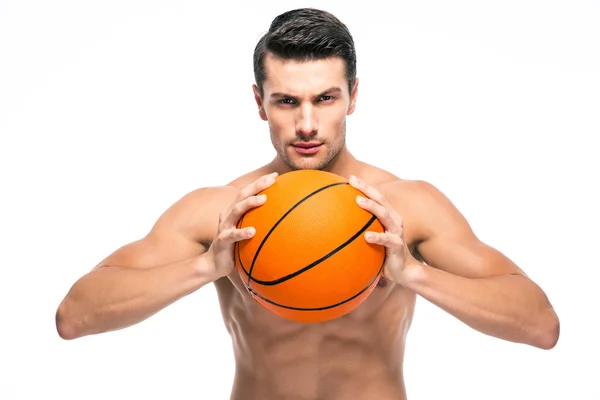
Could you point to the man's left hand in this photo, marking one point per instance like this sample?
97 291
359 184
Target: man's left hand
398 257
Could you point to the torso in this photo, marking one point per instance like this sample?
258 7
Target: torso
357 356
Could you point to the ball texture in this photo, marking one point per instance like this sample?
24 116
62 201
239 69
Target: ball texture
309 261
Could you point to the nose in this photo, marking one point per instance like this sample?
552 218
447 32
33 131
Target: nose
306 123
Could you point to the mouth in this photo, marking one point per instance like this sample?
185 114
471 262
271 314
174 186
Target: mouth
307 147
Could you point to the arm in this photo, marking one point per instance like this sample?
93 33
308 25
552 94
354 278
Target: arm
473 281
142 277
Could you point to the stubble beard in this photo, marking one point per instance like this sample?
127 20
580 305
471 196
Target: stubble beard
333 149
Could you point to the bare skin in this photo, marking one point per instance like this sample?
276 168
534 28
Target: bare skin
431 252
357 356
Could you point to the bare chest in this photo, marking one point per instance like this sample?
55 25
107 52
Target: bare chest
385 313
279 358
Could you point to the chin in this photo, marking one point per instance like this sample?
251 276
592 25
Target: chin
307 164
318 161
296 163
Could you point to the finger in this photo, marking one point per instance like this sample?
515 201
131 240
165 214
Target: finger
381 212
367 189
376 196
391 241
240 208
257 186
232 235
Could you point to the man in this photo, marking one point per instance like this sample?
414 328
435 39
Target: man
306 85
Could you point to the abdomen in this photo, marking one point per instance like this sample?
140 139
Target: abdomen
358 356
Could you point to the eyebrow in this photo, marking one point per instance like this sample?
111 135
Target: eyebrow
331 90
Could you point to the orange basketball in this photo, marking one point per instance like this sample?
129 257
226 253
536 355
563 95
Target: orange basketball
309 260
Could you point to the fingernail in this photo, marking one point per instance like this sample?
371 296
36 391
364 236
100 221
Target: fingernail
369 236
261 197
360 199
251 231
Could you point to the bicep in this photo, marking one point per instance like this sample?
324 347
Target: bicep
157 248
448 243
465 256
178 234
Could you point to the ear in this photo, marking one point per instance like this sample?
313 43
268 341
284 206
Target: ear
353 96
259 103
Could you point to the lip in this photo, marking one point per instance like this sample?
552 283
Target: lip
307 147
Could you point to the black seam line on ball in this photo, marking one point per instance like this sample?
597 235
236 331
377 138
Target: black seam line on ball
249 273
323 307
320 260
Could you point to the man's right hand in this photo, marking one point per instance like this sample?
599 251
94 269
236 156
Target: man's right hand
221 251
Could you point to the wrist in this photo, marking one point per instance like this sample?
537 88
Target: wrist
413 273
205 269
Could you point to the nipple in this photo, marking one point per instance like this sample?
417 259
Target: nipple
382 282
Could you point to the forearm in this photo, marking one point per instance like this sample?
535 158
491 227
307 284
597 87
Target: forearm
510 307
112 298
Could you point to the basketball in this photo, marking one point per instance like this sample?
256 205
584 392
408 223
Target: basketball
309 261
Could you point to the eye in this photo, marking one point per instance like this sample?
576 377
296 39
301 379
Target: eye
326 98
285 101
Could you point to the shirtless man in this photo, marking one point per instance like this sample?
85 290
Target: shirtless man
305 87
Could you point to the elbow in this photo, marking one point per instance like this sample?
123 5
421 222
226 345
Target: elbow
66 326
548 331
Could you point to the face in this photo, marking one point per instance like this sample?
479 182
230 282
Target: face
306 104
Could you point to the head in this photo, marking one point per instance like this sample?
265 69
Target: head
306 85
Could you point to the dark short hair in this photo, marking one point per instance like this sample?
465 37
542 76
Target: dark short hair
305 34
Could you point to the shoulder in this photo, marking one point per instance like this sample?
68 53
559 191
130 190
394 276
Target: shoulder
411 191
397 189
425 208
196 214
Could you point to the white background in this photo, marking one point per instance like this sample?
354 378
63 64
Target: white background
111 111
